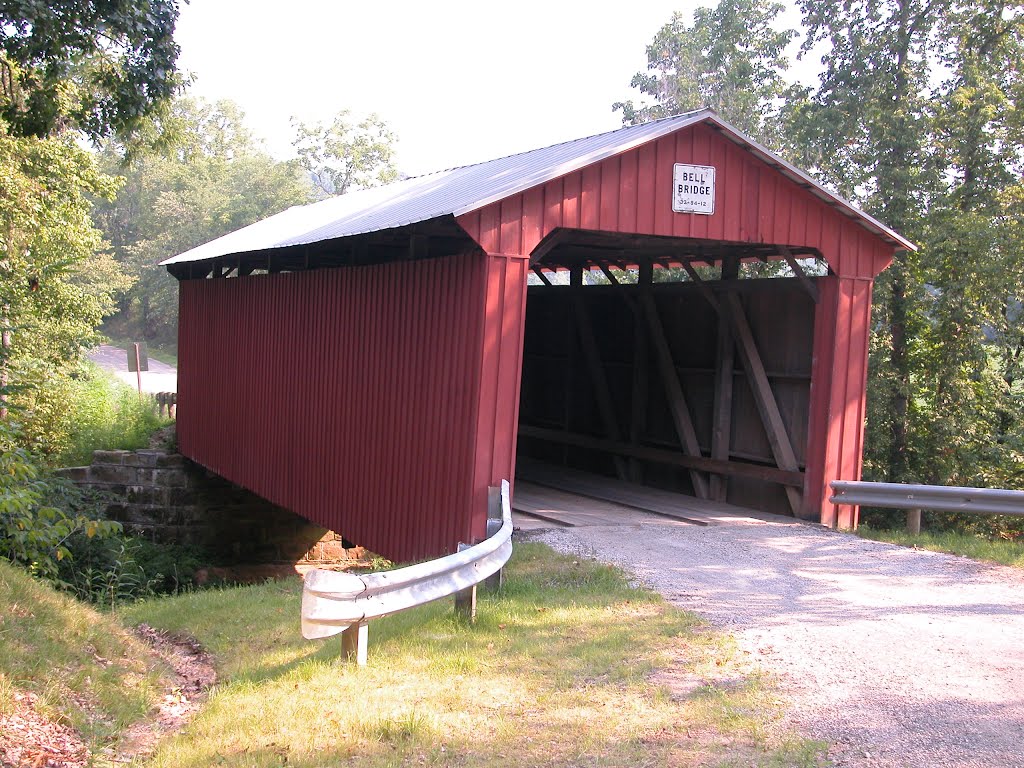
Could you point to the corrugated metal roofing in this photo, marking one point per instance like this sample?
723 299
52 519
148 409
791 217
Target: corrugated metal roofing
460 190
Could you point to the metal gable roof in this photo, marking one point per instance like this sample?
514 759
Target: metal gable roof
459 190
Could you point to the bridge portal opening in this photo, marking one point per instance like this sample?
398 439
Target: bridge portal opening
682 365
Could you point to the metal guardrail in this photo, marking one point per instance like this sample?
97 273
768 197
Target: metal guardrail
988 501
940 498
334 603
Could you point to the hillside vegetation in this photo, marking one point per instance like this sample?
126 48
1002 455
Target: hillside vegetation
69 663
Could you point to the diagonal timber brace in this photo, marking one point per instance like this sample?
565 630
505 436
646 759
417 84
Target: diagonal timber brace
674 392
767 406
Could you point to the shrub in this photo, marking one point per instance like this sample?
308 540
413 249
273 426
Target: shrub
118 568
83 411
33 532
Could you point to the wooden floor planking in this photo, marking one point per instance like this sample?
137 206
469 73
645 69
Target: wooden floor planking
533 477
569 509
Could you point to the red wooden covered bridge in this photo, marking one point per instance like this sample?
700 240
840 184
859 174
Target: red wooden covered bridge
375 361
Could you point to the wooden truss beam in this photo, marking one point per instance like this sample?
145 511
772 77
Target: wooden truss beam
667 457
767 406
674 391
602 394
805 281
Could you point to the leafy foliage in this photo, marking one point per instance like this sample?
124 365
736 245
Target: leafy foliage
212 180
114 570
55 285
346 154
96 67
83 409
731 60
32 532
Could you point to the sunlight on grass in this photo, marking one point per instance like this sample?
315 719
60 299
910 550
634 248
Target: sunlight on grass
85 669
558 670
964 544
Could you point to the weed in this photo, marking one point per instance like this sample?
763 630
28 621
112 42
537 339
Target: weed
106 415
970 545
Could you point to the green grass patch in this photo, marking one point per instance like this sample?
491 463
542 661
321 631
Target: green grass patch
104 414
85 667
565 666
955 543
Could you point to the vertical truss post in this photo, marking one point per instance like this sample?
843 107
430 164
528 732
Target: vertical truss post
721 424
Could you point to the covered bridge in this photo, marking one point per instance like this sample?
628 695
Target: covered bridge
375 361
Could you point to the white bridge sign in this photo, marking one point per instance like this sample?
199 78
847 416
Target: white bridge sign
693 188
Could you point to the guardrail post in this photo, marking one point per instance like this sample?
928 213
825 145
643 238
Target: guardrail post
353 643
494 520
914 521
465 601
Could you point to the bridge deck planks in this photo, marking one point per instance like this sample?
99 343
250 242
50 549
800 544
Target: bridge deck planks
571 497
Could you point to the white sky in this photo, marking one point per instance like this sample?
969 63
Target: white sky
459 81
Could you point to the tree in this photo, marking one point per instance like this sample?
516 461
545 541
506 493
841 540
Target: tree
917 119
55 285
212 180
971 256
346 154
731 59
97 67
867 123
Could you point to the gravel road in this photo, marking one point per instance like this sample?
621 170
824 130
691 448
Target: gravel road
897 657
159 378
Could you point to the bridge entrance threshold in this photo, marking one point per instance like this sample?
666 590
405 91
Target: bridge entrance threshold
546 494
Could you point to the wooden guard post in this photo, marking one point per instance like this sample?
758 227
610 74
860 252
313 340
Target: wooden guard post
465 601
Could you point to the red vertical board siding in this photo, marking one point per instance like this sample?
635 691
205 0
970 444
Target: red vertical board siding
662 183
490 227
632 193
570 203
751 192
533 218
352 401
553 203
732 187
820 403
647 161
610 184
499 378
627 221
716 158
590 198
512 225
837 404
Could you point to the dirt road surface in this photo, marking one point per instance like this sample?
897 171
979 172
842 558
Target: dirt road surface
897 657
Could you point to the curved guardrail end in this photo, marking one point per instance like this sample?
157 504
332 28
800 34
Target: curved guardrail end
334 603
328 602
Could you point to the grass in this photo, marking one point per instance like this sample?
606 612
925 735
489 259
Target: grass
87 670
955 543
566 665
107 415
